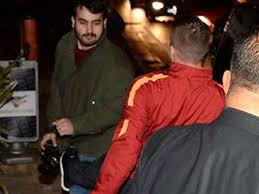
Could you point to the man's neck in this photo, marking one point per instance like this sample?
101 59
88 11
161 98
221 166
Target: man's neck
188 63
244 100
177 59
84 48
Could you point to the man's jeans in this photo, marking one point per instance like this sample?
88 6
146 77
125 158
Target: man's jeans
80 190
76 189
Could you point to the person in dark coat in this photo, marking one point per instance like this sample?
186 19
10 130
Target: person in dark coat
89 83
217 158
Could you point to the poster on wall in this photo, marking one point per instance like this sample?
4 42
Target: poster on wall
19 117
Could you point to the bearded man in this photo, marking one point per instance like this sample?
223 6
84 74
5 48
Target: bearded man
89 82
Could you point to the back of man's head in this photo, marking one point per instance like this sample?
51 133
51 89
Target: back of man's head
190 38
245 62
94 6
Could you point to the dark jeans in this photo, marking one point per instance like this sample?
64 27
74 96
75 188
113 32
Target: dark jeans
76 189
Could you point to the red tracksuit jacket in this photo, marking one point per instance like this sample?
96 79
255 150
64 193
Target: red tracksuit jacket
182 96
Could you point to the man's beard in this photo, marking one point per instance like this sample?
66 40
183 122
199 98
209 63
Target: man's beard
83 41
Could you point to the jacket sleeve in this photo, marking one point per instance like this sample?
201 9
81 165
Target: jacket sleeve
54 103
106 113
126 145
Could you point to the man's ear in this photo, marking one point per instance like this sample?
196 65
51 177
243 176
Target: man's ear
73 21
226 80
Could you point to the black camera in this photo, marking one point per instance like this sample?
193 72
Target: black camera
50 157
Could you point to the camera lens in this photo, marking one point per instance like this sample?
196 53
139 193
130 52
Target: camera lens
53 162
50 158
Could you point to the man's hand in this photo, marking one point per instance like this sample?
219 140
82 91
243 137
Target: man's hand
64 126
46 137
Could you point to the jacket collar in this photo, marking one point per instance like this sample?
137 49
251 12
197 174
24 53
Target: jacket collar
239 119
181 70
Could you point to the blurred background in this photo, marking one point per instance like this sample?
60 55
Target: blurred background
32 28
53 20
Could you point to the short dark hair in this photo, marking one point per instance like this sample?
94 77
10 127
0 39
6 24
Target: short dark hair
94 6
190 37
245 61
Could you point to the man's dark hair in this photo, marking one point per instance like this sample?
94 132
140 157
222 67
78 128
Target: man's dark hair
245 61
94 6
190 37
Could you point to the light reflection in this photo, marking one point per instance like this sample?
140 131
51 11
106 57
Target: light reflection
241 1
164 18
172 10
207 22
157 5
138 15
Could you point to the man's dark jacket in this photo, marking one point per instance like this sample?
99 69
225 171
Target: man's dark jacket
91 93
219 158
